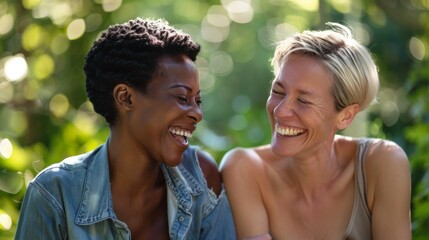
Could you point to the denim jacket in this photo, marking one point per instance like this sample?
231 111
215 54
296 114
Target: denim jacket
72 200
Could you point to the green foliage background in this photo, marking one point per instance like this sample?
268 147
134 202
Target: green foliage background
45 115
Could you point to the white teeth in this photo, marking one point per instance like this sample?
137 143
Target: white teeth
288 131
181 132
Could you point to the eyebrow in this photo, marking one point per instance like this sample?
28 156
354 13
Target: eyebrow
300 91
184 86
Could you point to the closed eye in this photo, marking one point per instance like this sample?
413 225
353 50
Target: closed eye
303 101
277 92
182 99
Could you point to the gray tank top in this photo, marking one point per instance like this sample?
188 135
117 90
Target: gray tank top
359 227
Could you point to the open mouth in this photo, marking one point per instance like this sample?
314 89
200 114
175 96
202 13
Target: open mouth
181 135
288 131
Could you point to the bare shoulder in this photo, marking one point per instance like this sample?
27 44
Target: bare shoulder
242 159
210 171
384 158
385 154
387 170
206 160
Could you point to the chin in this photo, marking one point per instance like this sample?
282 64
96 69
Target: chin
173 160
279 149
173 163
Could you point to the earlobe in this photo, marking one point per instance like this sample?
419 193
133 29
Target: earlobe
347 115
122 94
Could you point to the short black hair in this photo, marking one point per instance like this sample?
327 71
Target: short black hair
128 53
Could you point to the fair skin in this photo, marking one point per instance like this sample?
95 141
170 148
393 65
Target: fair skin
301 186
142 138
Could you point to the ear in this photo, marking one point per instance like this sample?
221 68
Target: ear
346 116
123 95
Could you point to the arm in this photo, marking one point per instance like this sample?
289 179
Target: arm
389 190
210 170
241 170
39 218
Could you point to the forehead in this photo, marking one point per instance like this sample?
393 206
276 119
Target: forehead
174 63
305 73
177 69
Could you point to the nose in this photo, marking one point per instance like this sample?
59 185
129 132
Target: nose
196 113
285 108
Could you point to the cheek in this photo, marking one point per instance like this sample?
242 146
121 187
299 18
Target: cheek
306 111
270 106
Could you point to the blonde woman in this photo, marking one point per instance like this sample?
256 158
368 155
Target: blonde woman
310 182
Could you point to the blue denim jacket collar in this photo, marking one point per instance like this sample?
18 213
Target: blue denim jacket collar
96 204
181 188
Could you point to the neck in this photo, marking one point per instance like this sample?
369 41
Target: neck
130 170
315 175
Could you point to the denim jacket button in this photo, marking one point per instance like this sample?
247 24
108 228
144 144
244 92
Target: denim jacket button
181 218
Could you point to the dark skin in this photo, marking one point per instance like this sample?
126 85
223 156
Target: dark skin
140 140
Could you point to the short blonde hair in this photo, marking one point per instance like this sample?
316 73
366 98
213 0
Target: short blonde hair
350 63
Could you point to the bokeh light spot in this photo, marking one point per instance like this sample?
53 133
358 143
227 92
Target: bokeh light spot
31 90
30 4
239 11
212 34
18 122
6 90
59 105
15 68
417 48
59 44
284 30
86 119
5 221
60 12
221 63
6 23
390 113
361 33
207 80
255 134
43 66
6 148
238 122
32 37
111 5
218 16
76 29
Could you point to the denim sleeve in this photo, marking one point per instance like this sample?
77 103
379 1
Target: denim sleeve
40 216
218 224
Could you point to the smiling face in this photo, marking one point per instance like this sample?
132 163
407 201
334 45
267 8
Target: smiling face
301 107
165 117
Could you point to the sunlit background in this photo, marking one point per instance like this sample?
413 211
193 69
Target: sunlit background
45 115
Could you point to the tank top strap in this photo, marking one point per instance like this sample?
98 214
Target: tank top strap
364 145
360 221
